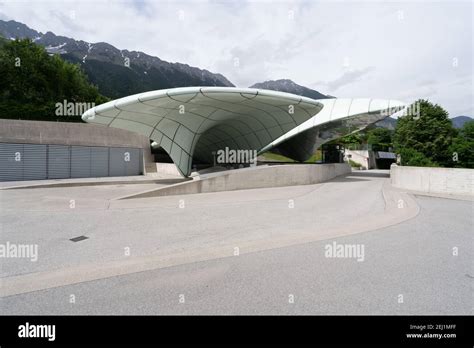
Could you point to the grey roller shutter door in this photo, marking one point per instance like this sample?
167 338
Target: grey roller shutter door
80 162
117 161
140 164
11 162
99 161
132 167
124 161
58 162
34 164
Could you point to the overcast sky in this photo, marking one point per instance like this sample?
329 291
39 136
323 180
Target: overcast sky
397 50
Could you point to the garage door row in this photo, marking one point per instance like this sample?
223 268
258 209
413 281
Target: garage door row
35 162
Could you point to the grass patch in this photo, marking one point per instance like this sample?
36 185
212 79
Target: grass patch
270 156
274 157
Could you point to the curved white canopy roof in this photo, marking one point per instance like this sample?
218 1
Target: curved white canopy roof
194 122
337 118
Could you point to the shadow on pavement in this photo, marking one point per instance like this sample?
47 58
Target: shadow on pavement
368 173
347 178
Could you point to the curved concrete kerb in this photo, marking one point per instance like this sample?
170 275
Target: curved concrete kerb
253 178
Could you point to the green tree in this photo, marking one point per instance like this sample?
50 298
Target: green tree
430 133
32 82
462 147
355 138
379 138
411 157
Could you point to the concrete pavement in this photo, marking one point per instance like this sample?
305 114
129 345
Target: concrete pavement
187 244
166 231
413 259
120 180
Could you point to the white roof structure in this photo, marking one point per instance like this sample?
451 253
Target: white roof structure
338 117
195 122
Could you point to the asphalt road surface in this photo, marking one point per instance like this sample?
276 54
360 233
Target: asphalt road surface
420 263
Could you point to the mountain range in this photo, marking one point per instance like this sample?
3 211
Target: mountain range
118 73
390 122
458 121
288 86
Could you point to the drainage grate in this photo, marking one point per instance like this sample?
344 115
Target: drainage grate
78 239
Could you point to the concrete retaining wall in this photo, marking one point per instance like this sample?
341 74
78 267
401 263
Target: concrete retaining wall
365 157
456 181
251 178
69 133
359 156
167 168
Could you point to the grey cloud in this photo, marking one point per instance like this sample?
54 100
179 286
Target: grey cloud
246 65
141 7
347 78
392 55
70 20
427 83
292 44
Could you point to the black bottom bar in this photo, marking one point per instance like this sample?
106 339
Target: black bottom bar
222 330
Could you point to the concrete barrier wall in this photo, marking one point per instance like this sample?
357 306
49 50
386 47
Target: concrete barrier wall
456 181
251 178
70 133
365 157
157 169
